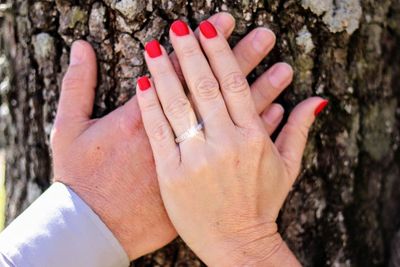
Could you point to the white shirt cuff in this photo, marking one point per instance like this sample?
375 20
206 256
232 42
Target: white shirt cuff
60 229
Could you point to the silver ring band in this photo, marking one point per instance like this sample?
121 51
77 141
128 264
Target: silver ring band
189 133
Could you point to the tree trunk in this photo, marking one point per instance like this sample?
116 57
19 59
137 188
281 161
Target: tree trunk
345 208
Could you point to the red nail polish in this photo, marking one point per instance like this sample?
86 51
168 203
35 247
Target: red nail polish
321 107
180 28
143 83
208 30
153 49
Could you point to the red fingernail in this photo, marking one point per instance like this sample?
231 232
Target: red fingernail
321 107
143 83
153 49
180 28
208 30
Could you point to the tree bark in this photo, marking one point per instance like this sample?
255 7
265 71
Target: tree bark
344 210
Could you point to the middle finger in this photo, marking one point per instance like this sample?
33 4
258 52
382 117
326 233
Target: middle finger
234 86
199 78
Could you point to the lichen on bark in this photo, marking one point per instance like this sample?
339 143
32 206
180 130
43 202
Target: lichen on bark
337 15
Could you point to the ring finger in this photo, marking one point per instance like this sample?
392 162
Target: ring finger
175 103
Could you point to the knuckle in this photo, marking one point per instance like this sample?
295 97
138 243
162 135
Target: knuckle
128 124
235 82
190 50
55 133
162 71
149 104
222 49
53 137
178 107
207 88
71 82
159 131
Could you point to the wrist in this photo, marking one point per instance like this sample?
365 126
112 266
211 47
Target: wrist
136 231
266 251
256 253
276 253
100 204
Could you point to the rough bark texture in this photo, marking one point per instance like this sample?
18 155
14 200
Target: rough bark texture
345 208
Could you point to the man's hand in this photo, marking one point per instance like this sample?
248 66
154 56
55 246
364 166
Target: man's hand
108 162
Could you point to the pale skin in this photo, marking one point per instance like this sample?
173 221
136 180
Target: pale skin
108 162
222 188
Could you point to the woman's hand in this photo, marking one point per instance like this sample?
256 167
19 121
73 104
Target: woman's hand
223 186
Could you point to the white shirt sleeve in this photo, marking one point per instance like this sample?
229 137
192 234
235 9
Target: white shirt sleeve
60 229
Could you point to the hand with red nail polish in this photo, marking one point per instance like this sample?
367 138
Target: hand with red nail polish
222 179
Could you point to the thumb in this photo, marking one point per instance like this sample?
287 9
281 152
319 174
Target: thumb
78 87
293 138
78 90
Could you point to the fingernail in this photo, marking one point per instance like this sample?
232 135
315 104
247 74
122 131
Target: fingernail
280 75
77 54
153 49
143 83
224 22
208 30
321 107
263 40
180 28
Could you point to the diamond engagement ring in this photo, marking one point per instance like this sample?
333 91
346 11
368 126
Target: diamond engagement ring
191 132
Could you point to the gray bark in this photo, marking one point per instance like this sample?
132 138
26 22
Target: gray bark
344 209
